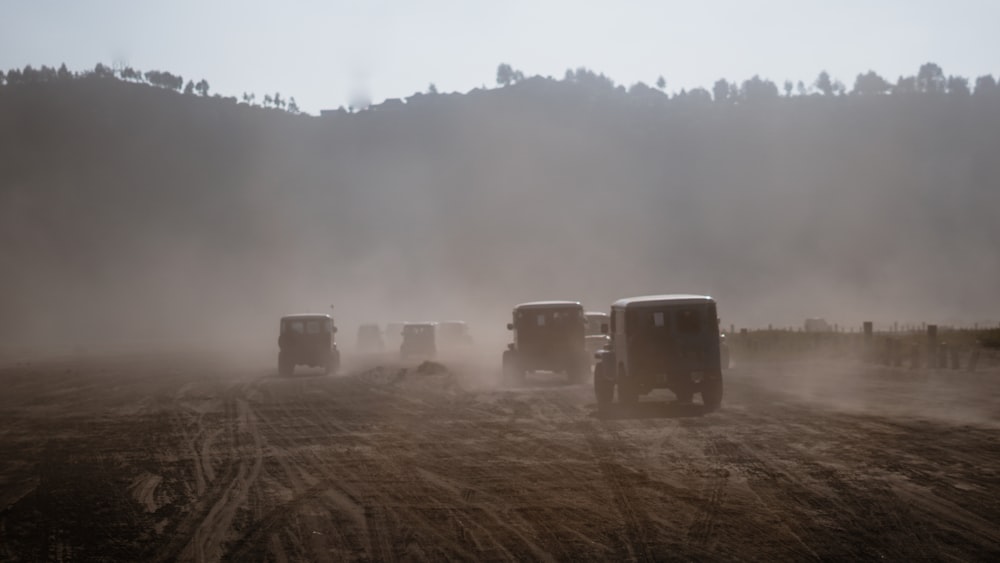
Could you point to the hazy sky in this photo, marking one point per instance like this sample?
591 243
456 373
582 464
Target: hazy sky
326 53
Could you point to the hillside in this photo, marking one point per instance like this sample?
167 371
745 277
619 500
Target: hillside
132 212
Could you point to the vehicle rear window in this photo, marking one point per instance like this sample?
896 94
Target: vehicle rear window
688 321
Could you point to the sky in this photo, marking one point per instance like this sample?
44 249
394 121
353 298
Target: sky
329 54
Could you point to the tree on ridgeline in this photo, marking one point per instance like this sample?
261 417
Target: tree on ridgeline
870 84
824 84
189 88
905 85
958 86
63 73
788 88
202 87
720 90
101 71
757 90
930 79
661 83
985 84
432 89
505 74
293 107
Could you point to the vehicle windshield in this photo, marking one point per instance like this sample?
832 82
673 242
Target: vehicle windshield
548 319
674 319
306 326
594 323
417 330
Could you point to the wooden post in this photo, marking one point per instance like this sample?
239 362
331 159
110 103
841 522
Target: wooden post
954 357
914 356
867 351
932 346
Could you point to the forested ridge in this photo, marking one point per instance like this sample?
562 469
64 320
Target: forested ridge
137 210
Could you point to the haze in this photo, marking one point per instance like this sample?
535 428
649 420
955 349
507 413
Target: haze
131 212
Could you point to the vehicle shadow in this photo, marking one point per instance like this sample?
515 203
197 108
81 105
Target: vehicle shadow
652 409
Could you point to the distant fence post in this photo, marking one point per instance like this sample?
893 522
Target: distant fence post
974 359
954 357
932 346
867 352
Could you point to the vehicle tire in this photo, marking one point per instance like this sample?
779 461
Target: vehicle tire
604 387
628 395
285 366
711 394
685 396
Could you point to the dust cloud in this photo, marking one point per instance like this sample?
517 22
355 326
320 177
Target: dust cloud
135 217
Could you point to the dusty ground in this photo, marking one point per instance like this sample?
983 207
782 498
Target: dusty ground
159 458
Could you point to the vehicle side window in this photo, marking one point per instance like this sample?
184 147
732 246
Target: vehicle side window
312 327
659 319
296 327
540 319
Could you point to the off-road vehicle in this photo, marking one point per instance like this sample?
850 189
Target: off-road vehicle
596 340
370 338
548 336
661 342
419 340
453 335
307 340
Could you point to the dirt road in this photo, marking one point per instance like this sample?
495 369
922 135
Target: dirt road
142 458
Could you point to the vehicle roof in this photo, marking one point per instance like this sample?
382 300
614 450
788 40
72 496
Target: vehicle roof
667 298
307 316
547 304
595 313
428 323
452 323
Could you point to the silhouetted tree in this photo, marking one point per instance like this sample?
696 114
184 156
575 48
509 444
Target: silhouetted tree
824 84
958 86
505 74
800 88
278 102
758 89
13 76
930 79
249 98
788 88
63 73
661 82
985 84
101 71
905 85
201 87
3 78
292 106
870 84
432 89
267 100
189 88
720 90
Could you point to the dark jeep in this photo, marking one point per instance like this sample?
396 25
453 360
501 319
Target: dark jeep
454 335
548 336
370 338
418 340
596 339
661 342
307 340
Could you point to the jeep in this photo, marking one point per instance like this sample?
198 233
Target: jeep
370 338
661 342
548 336
596 340
418 340
307 340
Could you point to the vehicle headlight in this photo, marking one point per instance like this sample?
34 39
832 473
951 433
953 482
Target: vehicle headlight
697 376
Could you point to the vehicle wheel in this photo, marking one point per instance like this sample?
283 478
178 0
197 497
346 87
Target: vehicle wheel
604 388
684 396
285 366
711 394
628 395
